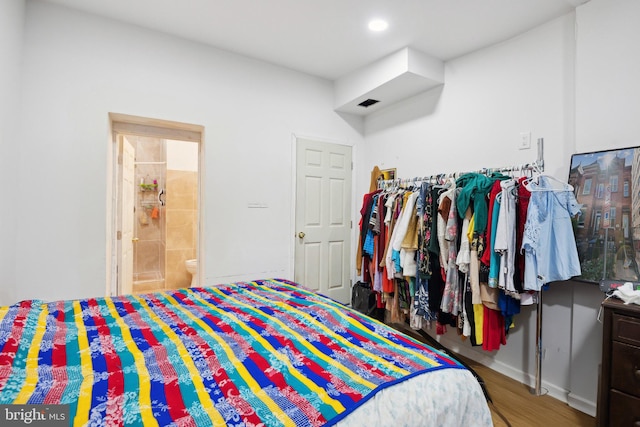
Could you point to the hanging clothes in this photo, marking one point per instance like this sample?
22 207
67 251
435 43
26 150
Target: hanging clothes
389 224
493 330
475 187
367 246
422 302
409 245
551 253
490 257
464 255
505 237
452 294
522 208
424 238
395 258
365 212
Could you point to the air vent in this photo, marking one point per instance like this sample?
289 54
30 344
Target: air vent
367 103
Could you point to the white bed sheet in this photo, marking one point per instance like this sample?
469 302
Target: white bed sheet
447 397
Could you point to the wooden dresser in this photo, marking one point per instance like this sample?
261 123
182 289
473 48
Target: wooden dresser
619 393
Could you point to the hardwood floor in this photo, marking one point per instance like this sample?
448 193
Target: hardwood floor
514 401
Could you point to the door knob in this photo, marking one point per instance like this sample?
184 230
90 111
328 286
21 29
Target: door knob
135 239
301 234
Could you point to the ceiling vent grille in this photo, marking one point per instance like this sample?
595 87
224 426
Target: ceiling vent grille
368 103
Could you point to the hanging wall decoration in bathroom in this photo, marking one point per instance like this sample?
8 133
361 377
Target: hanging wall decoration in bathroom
149 186
607 229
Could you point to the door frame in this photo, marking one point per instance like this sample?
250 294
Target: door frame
294 200
144 126
125 226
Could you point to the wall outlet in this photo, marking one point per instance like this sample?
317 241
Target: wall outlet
525 140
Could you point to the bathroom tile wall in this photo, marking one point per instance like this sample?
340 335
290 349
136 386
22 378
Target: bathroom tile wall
149 259
182 219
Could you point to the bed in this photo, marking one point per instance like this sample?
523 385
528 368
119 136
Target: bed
262 353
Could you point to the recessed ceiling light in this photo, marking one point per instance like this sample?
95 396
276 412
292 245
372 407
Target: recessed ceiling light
378 25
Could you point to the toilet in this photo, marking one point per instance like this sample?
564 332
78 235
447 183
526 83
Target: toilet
192 268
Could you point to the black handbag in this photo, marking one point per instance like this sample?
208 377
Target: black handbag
364 300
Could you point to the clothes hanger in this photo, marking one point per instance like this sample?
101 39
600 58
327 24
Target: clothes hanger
415 184
563 186
534 174
520 170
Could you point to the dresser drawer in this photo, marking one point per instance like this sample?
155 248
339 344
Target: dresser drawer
626 329
624 410
625 368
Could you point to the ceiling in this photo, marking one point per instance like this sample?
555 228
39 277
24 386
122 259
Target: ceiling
330 38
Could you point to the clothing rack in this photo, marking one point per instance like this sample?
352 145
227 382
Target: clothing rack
537 166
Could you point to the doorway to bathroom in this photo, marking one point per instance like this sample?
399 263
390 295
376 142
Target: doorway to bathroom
155 207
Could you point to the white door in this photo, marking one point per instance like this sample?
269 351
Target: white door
125 243
323 218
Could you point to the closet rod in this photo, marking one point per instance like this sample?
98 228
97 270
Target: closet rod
538 165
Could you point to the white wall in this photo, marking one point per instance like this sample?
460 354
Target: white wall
77 69
474 121
11 33
607 112
488 98
607 70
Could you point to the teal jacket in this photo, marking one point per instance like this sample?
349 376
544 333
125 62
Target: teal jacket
474 189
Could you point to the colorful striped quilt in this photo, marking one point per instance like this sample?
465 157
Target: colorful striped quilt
264 353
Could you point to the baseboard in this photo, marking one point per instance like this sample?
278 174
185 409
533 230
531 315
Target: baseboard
582 404
552 390
463 350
